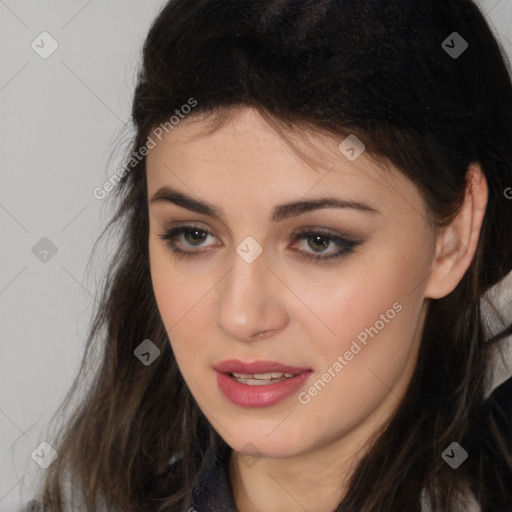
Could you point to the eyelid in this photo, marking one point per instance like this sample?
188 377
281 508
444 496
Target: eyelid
327 232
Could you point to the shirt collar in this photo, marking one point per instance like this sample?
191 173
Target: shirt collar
212 488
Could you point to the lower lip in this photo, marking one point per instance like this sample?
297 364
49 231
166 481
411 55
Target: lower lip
260 396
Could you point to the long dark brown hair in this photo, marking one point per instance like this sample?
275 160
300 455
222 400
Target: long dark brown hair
376 69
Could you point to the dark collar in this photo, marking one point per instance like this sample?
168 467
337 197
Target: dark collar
212 489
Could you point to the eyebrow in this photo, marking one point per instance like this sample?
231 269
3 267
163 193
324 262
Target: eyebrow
281 212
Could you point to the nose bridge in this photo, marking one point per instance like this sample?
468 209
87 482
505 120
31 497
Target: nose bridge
248 303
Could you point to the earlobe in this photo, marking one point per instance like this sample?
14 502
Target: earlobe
457 242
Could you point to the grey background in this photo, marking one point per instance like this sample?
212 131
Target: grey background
61 119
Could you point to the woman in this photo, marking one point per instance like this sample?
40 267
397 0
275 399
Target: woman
313 210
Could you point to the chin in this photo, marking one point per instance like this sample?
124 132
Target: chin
259 443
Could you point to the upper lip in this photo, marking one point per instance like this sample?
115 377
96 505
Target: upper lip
234 365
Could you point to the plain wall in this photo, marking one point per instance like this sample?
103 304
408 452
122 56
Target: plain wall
61 118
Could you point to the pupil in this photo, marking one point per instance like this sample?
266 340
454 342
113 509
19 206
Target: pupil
196 235
323 245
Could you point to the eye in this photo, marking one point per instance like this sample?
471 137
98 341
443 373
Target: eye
317 240
191 234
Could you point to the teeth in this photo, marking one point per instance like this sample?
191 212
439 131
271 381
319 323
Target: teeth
262 376
257 379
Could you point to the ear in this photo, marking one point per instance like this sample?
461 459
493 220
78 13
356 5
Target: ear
456 243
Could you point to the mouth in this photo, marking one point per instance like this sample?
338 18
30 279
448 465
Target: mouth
260 383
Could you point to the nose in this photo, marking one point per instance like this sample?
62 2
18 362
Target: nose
251 306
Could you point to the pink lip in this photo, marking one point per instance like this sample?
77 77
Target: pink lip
245 395
234 365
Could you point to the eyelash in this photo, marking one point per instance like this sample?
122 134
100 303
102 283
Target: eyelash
347 245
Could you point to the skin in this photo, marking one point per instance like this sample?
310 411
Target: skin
281 307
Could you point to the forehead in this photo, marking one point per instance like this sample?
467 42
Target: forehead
247 155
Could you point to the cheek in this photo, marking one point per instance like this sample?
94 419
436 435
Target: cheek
370 312
349 303
181 300
174 292
374 324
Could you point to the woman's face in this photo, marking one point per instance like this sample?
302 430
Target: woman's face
250 290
